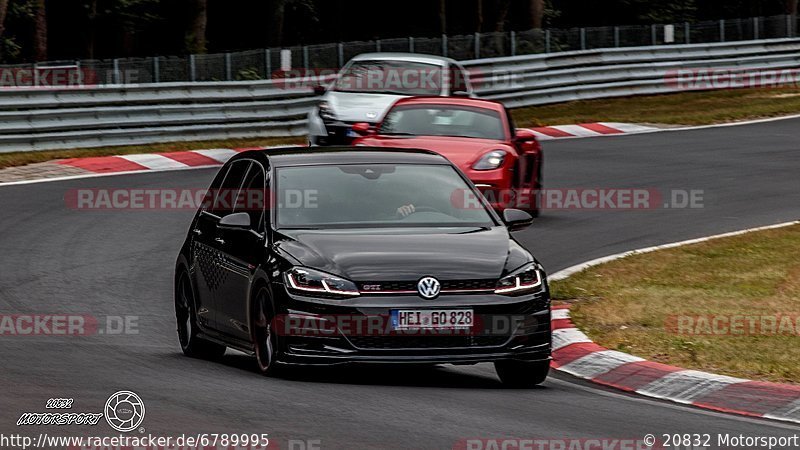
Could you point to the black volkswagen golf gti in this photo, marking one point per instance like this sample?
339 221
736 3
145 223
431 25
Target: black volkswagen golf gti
346 255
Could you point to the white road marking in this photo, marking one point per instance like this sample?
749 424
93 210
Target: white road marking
567 336
560 314
154 162
576 130
687 385
598 363
219 154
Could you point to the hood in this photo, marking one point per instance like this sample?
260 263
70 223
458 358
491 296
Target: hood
359 107
459 150
403 254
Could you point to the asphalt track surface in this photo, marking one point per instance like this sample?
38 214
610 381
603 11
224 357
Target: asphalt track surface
54 259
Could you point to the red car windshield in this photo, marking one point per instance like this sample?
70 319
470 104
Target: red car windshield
443 120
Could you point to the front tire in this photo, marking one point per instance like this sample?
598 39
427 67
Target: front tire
191 344
265 338
522 374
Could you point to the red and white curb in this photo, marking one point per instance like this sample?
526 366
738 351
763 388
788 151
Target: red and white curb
215 157
153 161
590 130
576 354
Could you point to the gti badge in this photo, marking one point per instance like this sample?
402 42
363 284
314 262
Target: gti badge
429 288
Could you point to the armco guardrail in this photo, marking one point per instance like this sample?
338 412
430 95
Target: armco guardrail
38 119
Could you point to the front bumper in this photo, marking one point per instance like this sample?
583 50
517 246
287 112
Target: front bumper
507 328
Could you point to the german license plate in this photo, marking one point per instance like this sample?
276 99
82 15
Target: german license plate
404 319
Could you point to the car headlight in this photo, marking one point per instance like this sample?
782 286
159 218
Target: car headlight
305 280
491 160
326 112
526 279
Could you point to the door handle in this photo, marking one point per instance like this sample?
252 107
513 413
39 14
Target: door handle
220 241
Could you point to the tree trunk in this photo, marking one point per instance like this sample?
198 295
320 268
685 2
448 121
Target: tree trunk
91 41
537 13
196 34
479 27
3 11
40 31
791 7
276 23
502 14
443 16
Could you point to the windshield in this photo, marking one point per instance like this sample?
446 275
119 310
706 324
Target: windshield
378 195
443 120
391 77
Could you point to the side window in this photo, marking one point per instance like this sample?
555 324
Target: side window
226 193
252 197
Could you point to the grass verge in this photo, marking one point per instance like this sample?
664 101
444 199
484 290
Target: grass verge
661 306
22 158
688 108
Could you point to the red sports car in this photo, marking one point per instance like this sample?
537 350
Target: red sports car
477 135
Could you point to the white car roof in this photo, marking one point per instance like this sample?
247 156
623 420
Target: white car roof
405 57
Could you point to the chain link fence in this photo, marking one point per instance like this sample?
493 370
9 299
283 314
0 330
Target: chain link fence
269 63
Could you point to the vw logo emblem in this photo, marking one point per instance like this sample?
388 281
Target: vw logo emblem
371 115
429 288
124 411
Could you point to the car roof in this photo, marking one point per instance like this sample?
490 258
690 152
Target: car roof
409 57
455 101
299 156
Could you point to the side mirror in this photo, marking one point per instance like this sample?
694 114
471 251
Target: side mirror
236 221
524 136
320 89
516 219
362 128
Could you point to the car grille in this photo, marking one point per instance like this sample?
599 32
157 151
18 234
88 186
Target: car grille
447 285
425 342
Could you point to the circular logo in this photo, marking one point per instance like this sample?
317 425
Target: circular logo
429 287
372 115
124 411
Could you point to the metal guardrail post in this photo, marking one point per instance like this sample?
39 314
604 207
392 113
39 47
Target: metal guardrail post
305 57
156 70
755 27
228 68
687 33
653 35
116 71
341 54
616 37
192 69
547 41
513 43
267 63
410 44
789 27
477 45
444 45
583 38
378 45
722 30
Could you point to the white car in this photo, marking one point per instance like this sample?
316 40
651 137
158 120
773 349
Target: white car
370 83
